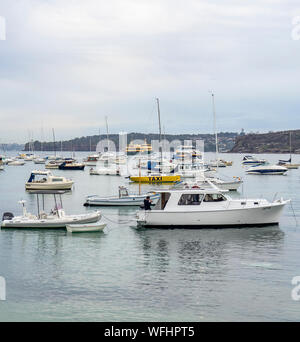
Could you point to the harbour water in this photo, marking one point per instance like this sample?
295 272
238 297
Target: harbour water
129 274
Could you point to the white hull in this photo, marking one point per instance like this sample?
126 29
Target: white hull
51 186
85 228
116 201
260 215
24 222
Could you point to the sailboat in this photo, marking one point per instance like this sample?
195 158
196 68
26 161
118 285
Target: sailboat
288 163
157 177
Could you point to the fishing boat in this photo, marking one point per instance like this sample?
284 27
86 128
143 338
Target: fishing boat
57 218
208 208
266 170
123 199
47 182
85 228
249 160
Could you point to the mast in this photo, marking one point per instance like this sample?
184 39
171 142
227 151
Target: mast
106 132
54 141
215 128
159 125
290 147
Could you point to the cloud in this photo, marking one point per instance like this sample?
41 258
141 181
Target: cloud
68 63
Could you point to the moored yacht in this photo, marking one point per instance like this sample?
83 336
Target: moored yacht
47 182
209 208
267 170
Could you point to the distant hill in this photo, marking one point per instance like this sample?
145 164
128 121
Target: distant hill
11 147
273 142
89 143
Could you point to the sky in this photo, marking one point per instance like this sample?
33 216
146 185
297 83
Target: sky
66 64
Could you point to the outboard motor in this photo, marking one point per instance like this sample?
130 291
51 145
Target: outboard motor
7 216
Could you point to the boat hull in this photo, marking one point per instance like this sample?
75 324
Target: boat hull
85 228
52 186
53 223
156 179
256 216
129 201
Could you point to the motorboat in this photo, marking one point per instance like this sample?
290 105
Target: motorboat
71 164
249 160
108 171
47 182
85 228
16 163
92 160
208 182
39 160
190 170
123 199
53 164
208 208
288 164
57 218
267 170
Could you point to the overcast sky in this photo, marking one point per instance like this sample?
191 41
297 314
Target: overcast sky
67 64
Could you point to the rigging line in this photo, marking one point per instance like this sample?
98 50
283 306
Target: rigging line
118 222
294 214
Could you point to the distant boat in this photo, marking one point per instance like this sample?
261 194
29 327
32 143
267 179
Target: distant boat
249 160
71 165
288 163
156 178
267 170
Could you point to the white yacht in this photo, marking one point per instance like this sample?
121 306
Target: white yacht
249 160
267 170
203 181
209 208
47 182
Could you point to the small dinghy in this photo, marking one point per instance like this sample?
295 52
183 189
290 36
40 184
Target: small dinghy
85 228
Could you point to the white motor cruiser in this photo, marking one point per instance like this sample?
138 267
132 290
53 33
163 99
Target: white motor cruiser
47 182
57 218
209 208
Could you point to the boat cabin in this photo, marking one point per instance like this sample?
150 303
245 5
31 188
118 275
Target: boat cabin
190 199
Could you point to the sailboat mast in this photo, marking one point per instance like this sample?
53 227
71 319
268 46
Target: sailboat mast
159 125
290 147
54 141
106 132
215 128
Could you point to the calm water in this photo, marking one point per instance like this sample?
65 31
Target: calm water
125 274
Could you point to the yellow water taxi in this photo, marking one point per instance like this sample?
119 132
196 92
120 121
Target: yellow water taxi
156 179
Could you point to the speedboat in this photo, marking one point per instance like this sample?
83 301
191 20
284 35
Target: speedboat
249 160
267 170
208 208
39 160
124 199
48 182
92 160
57 218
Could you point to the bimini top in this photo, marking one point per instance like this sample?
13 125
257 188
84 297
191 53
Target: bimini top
41 172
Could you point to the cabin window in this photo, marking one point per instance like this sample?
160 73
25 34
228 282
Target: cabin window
190 199
56 179
214 198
